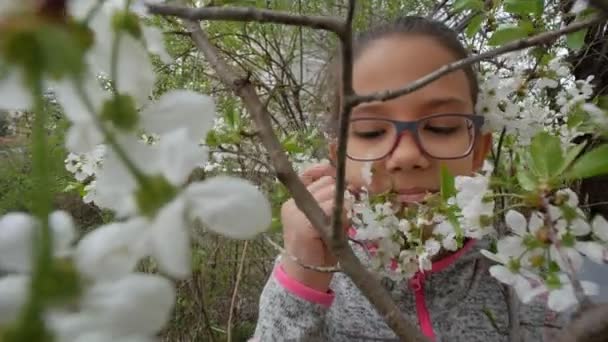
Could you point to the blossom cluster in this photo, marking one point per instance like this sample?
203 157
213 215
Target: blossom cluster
402 240
515 101
539 255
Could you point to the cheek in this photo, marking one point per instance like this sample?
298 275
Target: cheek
460 167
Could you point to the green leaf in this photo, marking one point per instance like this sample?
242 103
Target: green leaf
448 188
592 163
212 139
508 34
576 40
576 117
546 155
602 102
525 179
571 156
474 25
457 228
524 7
292 145
231 115
461 5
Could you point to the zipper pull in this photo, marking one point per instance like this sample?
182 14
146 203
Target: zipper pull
417 282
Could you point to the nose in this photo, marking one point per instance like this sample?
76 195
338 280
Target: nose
406 155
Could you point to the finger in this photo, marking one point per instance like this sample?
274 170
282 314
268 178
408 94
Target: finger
326 193
320 184
328 209
317 171
327 206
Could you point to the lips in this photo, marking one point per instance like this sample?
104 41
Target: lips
412 195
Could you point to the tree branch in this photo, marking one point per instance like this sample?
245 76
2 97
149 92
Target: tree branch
542 38
239 275
248 14
350 264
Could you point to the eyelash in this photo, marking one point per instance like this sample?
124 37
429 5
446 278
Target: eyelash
435 130
442 130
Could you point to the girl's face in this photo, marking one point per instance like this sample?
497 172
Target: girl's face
390 63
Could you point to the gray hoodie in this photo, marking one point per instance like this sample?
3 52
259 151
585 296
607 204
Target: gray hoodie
458 300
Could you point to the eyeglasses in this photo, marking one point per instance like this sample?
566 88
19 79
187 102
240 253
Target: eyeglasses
440 136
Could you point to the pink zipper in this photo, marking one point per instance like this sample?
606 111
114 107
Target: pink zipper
417 285
424 318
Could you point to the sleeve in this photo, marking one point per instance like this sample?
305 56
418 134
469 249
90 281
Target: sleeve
290 310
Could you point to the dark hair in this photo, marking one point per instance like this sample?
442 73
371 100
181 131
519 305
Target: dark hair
409 25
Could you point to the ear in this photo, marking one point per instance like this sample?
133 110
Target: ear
482 148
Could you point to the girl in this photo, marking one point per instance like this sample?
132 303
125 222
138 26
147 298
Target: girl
407 139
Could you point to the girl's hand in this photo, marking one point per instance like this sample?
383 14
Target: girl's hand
301 239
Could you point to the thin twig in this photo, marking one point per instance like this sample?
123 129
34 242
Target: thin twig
542 38
514 322
248 14
235 291
284 252
438 7
337 232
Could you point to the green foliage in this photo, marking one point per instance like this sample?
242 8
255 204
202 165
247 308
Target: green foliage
592 163
576 40
524 7
448 188
16 182
474 25
461 5
508 34
546 156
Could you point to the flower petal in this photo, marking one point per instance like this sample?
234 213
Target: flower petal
13 294
569 260
532 293
562 299
600 227
592 250
503 274
590 288
135 73
111 251
495 257
64 232
70 99
155 43
83 137
580 227
536 222
180 108
179 155
135 304
230 206
511 246
170 241
16 233
516 222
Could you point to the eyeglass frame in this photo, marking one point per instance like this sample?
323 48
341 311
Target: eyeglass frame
412 127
